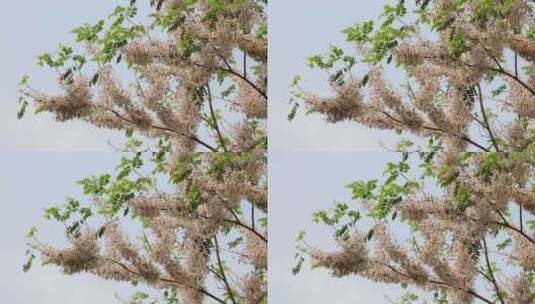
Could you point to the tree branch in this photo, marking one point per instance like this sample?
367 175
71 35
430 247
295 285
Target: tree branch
491 272
214 118
486 120
190 136
440 283
167 280
463 136
222 270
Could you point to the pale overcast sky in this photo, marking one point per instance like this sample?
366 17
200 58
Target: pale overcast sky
40 159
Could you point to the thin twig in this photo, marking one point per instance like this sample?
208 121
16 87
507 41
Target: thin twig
190 136
486 120
440 283
214 118
463 136
167 280
491 272
222 270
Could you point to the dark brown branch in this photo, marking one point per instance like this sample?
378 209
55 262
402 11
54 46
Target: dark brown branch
516 64
521 217
486 120
239 223
463 136
484 275
190 136
222 270
491 272
166 280
252 216
244 64
508 225
230 70
502 71
440 283
504 224
214 118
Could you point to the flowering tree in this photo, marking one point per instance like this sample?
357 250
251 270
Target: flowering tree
463 231
185 211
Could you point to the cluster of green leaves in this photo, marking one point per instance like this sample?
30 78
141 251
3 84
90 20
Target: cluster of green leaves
63 212
379 40
217 8
328 61
108 35
63 55
182 168
339 212
408 298
382 40
169 297
172 18
159 156
426 154
30 252
484 11
113 192
111 39
383 195
386 195
222 162
260 134
530 278
300 252
491 165
295 96
64 60
225 162
23 102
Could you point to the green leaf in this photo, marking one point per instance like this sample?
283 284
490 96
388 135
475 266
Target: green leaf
23 107
31 233
365 80
293 111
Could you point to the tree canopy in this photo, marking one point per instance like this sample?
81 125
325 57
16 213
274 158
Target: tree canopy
454 218
185 211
